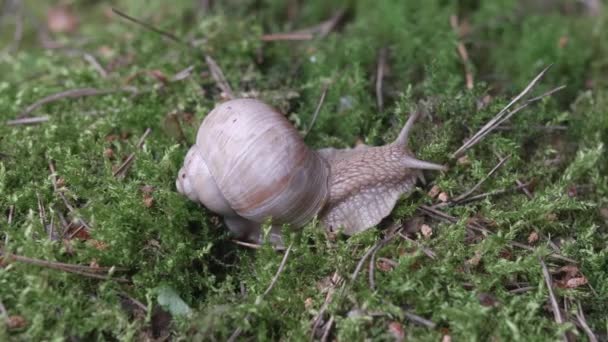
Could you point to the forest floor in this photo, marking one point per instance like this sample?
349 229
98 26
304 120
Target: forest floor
97 113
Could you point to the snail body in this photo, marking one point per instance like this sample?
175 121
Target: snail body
249 164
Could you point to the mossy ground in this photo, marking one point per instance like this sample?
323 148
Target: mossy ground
176 253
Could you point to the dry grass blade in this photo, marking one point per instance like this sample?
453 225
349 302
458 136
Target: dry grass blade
219 77
273 37
522 289
68 94
237 332
11 211
327 330
489 194
324 28
580 316
492 123
427 251
442 216
124 167
380 71
549 282
476 186
279 271
317 110
149 27
419 320
28 121
87 271
95 64
462 52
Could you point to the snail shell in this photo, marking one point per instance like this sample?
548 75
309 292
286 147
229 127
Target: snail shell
250 162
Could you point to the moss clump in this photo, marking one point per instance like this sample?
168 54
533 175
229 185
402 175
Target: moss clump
187 280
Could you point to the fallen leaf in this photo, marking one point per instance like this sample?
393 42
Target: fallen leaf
435 190
446 338
426 231
396 329
533 238
443 197
570 271
464 160
16 322
576 282
60 19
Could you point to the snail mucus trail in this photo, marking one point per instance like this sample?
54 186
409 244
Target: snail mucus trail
249 164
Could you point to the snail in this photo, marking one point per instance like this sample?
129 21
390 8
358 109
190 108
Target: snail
249 164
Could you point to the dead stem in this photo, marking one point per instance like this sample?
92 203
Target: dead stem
124 167
317 110
380 71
